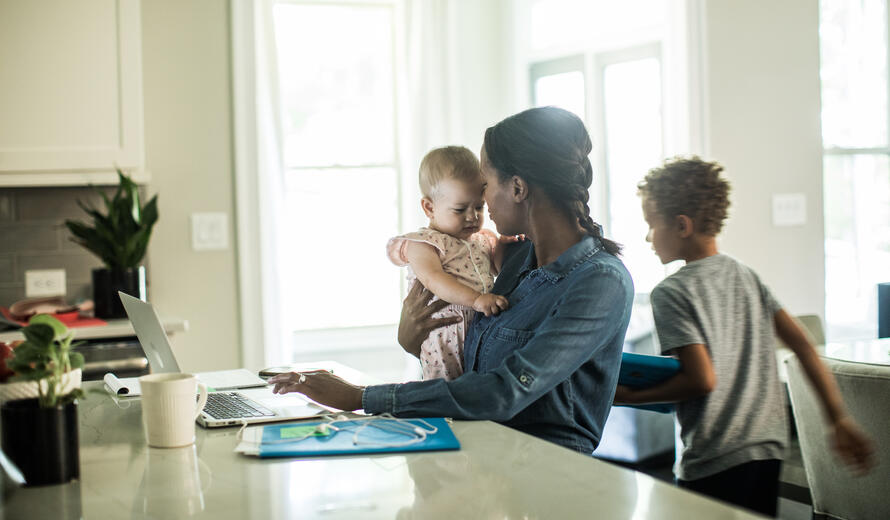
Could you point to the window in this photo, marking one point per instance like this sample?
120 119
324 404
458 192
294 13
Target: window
621 106
855 121
342 181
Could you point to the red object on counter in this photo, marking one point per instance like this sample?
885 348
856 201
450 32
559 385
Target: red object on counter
70 319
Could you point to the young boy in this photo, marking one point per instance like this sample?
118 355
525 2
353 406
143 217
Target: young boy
718 318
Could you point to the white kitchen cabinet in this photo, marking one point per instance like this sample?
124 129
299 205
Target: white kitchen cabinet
70 91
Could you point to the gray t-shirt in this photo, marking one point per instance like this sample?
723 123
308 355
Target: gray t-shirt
718 302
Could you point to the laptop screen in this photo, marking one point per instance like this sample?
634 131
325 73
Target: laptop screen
151 334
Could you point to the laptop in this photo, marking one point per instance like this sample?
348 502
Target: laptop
253 402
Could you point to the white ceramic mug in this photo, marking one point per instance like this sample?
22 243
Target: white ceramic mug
169 410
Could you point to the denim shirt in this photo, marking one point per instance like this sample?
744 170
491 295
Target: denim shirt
548 365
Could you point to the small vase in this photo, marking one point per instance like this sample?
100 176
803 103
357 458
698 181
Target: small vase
42 442
106 284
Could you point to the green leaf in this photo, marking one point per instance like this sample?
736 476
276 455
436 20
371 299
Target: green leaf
34 375
119 236
76 360
59 329
41 334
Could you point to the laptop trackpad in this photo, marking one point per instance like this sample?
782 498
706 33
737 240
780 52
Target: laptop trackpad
288 405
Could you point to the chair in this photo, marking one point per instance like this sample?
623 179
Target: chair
812 325
836 493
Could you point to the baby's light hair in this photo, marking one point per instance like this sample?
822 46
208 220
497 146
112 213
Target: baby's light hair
448 162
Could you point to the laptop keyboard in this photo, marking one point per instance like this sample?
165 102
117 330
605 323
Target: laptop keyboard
231 405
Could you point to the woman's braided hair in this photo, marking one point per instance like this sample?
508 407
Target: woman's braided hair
548 147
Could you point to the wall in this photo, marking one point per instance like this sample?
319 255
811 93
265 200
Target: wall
34 236
188 148
762 107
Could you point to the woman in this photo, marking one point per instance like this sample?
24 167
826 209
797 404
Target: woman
548 365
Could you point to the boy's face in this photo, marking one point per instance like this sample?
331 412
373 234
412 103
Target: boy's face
456 207
664 235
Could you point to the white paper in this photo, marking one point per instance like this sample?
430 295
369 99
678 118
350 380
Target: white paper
124 386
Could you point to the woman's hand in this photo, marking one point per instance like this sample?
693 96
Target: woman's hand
417 322
852 445
320 386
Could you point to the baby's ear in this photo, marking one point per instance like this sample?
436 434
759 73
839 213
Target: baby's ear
426 204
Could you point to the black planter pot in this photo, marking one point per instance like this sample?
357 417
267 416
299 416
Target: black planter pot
42 442
106 284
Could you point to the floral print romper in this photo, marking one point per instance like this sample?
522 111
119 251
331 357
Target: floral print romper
441 354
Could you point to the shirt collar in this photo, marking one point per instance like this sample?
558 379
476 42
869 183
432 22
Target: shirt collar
567 261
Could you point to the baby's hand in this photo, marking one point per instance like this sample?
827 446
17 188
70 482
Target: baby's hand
490 304
510 239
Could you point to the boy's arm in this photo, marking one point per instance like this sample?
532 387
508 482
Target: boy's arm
695 379
854 447
427 267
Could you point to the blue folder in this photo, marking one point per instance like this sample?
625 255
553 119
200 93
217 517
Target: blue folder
274 443
643 371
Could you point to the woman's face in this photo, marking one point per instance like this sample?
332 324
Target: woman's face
499 198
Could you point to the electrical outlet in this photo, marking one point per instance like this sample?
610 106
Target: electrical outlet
789 209
210 231
45 282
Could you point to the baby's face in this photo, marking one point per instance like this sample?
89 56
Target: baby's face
457 207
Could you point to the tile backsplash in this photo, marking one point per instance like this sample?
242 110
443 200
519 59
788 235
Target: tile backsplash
33 236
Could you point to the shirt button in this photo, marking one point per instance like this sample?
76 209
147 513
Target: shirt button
523 379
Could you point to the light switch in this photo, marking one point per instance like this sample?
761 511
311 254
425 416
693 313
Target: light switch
44 282
789 209
210 231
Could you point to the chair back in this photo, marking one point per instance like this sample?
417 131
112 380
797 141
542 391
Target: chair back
836 492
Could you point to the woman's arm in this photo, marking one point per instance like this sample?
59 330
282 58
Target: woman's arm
321 386
854 447
582 325
695 379
424 260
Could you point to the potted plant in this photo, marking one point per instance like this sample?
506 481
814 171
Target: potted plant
39 407
119 237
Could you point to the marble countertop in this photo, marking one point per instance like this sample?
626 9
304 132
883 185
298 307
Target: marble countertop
114 329
498 473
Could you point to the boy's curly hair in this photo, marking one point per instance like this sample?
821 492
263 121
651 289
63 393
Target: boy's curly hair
689 186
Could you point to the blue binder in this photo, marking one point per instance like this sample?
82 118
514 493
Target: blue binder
274 442
643 371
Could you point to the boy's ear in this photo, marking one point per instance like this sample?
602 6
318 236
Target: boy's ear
519 188
685 226
426 204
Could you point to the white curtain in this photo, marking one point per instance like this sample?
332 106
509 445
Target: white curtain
432 80
259 179
433 84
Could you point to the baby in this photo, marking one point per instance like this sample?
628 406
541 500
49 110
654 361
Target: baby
454 257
